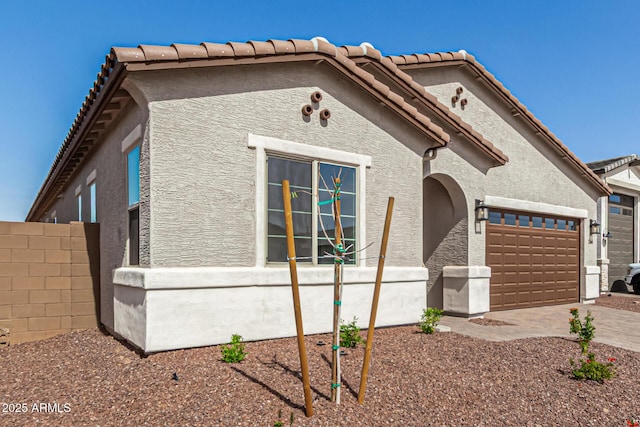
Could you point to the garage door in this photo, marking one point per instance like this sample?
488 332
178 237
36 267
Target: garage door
534 259
621 242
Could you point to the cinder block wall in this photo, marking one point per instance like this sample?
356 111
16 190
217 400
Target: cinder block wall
49 279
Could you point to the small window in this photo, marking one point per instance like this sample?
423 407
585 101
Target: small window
615 210
549 223
562 225
133 198
509 219
495 217
133 176
572 225
615 198
79 198
524 220
627 212
92 205
537 221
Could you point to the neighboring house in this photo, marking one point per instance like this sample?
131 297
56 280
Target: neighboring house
178 153
619 243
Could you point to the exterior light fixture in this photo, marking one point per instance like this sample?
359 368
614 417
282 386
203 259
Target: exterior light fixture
594 229
482 211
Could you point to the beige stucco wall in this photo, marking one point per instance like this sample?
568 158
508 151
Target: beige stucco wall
109 163
202 173
534 173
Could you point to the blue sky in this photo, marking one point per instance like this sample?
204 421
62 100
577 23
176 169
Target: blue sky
573 63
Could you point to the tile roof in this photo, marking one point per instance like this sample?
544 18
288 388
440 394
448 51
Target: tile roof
365 53
122 59
464 58
604 166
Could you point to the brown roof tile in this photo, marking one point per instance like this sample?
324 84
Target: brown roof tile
177 53
499 88
390 67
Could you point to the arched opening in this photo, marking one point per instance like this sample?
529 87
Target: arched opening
445 228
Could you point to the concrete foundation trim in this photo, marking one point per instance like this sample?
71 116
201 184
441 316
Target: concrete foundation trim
591 289
233 277
528 206
466 290
164 309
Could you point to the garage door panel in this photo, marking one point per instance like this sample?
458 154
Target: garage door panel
533 266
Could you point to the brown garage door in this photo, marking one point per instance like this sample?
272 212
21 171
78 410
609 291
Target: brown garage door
534 259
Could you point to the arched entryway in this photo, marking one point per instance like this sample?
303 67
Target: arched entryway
445 238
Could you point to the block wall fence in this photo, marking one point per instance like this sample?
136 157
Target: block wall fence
49 279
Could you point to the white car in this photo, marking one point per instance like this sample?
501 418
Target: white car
633 278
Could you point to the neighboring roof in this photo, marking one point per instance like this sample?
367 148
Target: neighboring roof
367 54
604 166
82 134
463 58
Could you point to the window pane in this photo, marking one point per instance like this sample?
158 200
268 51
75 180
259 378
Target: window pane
346 174
627 212
615 210
509 219
133 175
572 225
537 221
549 223
301 224
300 201
79 207
562 225
523 220
348 227
278 249
92 191
298 173
615 198
134 236
495 217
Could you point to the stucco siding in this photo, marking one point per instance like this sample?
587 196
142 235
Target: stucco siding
535 171
202 173
109 164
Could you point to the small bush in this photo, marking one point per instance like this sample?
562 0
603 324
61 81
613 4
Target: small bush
585 331
590 369
234 351
350 334
429 319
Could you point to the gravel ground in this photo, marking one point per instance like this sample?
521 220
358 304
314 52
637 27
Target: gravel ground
415 379
630 302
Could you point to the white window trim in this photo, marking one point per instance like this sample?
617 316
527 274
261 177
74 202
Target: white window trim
78 190
91 177
526 205
264 144
132 139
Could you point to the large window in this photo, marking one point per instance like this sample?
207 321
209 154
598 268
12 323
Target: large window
312 185
133 195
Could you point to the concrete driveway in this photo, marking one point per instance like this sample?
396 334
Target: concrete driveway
618 328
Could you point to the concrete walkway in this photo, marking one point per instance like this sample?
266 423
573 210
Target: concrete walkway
618 328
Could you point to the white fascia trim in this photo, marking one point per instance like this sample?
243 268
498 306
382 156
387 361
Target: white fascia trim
233 277
526 205
92 177
310 151
78 190
130 140
628 186
264 144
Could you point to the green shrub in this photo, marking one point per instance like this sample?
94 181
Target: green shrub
585 332
350 334
591 369
234 351
429 319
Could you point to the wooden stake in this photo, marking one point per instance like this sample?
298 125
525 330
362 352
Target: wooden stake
335 373
291 250
374 303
